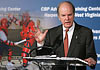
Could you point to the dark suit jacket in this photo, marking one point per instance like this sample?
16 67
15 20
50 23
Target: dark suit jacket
82 44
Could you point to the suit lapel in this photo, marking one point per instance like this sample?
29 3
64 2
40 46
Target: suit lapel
74 40
59 34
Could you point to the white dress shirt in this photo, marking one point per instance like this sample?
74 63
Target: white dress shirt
70 33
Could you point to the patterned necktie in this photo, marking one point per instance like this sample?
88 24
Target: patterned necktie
66 43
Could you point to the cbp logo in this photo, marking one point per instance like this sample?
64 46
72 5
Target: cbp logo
45 8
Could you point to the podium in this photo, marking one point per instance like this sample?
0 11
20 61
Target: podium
51 60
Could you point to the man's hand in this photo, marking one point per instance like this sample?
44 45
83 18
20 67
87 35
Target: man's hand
39 36
91 61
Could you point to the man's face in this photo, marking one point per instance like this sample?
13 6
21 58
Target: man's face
66 15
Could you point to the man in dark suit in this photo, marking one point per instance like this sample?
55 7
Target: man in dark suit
80 38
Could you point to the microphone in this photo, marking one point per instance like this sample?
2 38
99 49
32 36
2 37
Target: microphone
42 50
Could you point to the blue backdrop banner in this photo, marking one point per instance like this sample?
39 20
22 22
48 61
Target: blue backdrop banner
87 14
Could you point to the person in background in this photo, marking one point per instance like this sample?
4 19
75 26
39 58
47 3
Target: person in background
80 43
28 29
4 42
